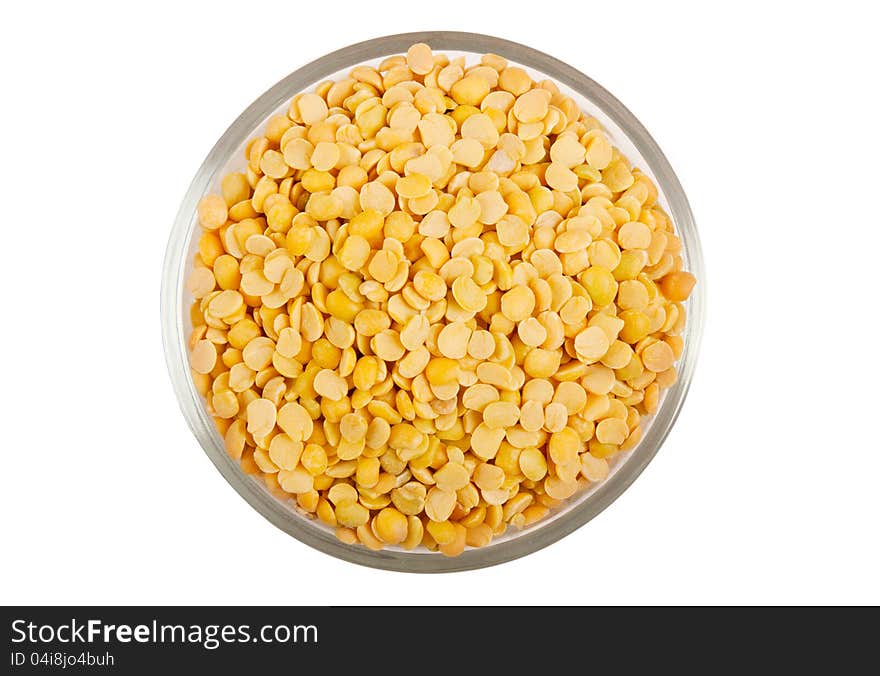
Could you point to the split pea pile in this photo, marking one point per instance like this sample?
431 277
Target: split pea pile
435 304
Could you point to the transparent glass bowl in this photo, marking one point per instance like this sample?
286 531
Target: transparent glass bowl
625 131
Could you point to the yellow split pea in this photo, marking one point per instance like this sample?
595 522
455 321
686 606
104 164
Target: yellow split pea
435 303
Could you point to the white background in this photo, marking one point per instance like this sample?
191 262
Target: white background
765 492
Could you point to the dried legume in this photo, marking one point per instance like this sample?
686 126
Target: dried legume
436 302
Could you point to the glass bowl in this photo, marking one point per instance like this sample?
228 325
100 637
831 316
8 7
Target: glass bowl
625 131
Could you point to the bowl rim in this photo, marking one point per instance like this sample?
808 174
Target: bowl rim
175 341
